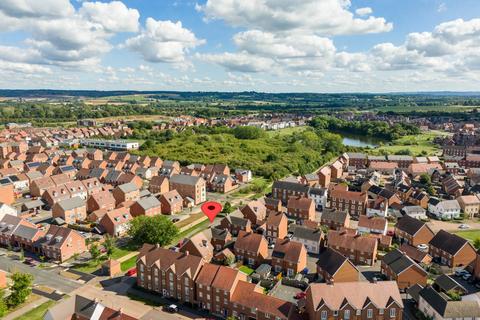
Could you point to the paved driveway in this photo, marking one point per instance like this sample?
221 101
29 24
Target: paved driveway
49 278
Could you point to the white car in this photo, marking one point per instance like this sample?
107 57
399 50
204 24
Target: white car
422 247
464 226
460 272
466 276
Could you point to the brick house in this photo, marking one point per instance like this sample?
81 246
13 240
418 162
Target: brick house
335 220
470 205
283 190
354 300
324 177
276 226
8 225
220 238
222 183
254 211
168 273
251 248
376 225
235 223
116 222
101 200
356 160
147 206
334 267
413 231
70 210
159 184
126 192
311 238
198 245
301 208
355 203
171 202
359 249
189 186
399 267
60 243
451 250
25 236
289 257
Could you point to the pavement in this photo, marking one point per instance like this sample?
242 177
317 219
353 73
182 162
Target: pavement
44 277
437 225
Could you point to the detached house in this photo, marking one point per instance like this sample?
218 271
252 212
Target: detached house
189 186
198 245
311 238
235 223
101 200
251 248
116 222
147 206
159 184
376 225
70 210
470 205
399 267
171 202
126 192
451 250
335 220
255 211
444 209
289 257
301 208
334 267
413 231
276 226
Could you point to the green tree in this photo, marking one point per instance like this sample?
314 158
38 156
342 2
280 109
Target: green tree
227 208
476 243
94 251
3 304
20 289
157 229
425 179
22 254
109 245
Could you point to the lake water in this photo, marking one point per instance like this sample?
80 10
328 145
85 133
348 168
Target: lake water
360 141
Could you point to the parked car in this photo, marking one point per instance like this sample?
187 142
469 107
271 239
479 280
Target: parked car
131 272
463 226
175 220
300 295
460 272
466 276
172 308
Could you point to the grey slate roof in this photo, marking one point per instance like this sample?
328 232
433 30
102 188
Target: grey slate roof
448 242
399 262
148 202
25 232
447 283
128 187
447 308
302 232
409 225
184 179
292 186
331 260
72 203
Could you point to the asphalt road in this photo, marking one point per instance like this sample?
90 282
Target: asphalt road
49 278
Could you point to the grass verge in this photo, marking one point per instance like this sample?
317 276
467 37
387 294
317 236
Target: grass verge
38 312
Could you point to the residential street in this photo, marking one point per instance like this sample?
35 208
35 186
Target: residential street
49 278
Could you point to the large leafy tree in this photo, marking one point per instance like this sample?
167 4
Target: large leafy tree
20 289
109 245
157 229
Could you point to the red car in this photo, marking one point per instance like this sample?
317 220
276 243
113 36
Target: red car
300 295
131 272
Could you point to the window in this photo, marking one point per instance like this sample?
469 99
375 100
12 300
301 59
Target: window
393 313
170 276
324 315
346 314
369 313
335 313
200 294
380 311
187 282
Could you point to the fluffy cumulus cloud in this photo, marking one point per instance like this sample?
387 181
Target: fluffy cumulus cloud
327 17
113 16
163 41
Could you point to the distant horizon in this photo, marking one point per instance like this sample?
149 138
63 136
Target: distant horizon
304 46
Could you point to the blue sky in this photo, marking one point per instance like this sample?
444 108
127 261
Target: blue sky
234 45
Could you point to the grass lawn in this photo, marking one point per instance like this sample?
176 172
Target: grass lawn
248 271
259 186
120 252
38 312
470 235
192 231
415 143
91 266
128 264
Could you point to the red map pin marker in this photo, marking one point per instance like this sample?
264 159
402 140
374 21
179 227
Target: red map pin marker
211 209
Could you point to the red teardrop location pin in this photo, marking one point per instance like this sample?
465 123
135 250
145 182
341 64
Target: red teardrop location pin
211 209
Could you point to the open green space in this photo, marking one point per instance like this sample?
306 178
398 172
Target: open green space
420 144
286 131
38 312
248 271
191 231
470 235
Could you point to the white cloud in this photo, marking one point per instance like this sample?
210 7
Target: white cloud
323 17
36 8
364 11
442 7
163 41
241 61
113 16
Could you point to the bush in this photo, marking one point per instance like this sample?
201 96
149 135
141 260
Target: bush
248 133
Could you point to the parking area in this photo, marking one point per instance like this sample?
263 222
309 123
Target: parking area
284 292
